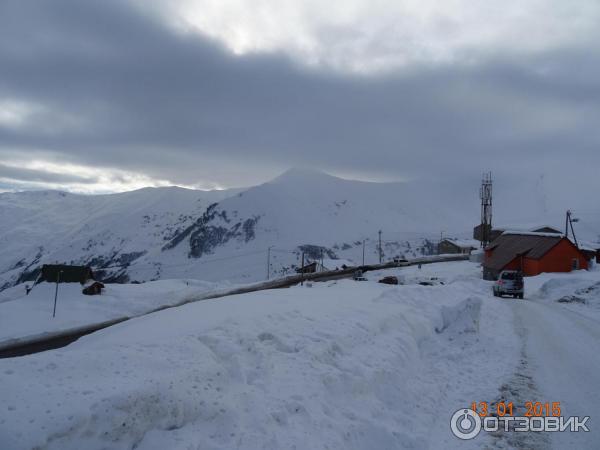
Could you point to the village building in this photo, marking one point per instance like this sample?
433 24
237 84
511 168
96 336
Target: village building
495 232
334 264
308 268
457 246
532 253
63 273
591 250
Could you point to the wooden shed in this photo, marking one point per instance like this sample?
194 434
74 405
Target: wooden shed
64 273
591 250
308 268
457 246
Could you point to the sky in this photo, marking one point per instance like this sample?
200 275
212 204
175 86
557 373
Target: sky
106 96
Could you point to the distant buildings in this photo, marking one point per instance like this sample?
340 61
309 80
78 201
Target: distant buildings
458 246
334 264
308 268
590 250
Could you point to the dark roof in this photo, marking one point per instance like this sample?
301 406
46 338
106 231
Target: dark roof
535 229
462 243
507 247
65 273
307 268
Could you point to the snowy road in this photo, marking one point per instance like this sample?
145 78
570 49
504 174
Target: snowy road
561 347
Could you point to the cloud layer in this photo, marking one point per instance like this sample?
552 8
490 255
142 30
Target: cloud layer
111 87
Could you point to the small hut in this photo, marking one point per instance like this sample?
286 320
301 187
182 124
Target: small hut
63 273
93 288
308 268
457 246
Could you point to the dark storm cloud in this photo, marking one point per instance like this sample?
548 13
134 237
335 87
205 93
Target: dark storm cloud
40 176
118 88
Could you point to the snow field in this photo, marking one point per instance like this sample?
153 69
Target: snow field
336 365
30 315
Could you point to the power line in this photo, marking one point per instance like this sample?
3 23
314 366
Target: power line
196 261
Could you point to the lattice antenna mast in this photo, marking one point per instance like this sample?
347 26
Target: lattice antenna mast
485 194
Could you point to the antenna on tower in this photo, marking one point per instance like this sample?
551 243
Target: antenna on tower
485 194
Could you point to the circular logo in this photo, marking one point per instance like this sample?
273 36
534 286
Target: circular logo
465 424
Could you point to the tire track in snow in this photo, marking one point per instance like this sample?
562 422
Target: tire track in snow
519 389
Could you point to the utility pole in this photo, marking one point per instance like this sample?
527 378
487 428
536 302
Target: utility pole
322 268
440 244
363 258
56 292
269 261
380 249
569 222
302 271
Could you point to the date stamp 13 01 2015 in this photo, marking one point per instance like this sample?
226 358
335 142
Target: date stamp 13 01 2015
467 423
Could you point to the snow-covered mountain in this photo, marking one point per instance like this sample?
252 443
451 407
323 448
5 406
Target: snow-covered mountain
301 210
50 226
171 232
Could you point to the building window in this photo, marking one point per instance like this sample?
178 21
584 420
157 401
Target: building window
575 264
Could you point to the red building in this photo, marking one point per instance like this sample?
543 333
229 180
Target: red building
532 253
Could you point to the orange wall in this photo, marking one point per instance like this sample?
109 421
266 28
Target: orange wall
558 259
532 267
515 264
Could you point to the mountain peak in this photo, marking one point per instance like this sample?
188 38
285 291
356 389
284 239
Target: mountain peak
303 175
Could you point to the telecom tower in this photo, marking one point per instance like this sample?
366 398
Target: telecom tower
485 194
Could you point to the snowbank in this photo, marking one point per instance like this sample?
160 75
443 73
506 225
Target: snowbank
462 318
577 291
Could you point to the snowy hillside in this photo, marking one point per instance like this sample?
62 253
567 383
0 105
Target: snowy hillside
299 211
50 226
173 232
159 233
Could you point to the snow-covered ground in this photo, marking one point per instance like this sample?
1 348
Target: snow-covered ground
335 365
23 316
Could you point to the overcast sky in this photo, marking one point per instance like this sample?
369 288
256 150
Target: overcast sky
100 96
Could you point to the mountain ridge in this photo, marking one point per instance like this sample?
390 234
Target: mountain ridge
172 232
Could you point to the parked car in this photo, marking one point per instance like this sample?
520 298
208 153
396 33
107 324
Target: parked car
389 280
509 282
358 275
